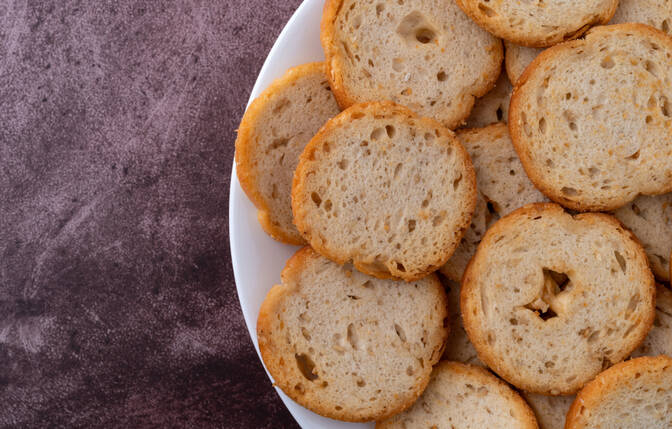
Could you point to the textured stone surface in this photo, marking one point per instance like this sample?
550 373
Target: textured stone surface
117 301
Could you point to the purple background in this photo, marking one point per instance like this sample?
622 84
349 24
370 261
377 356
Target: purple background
117 301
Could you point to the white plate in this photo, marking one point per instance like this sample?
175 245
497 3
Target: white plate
258 259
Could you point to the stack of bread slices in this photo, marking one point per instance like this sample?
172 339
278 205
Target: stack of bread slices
485 244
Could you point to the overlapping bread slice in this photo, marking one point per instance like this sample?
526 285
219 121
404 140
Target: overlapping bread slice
539 23
502 187
656 13
386 189
349 346
466 397
549 299
631 395
274 130
650 218
424 54
492 107
591 119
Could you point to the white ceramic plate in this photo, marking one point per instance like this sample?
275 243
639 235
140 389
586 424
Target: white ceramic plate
257 258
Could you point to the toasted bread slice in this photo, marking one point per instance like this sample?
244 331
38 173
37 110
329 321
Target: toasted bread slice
631 395
539 23
502 187
270 140
591 119
549 299
386 189
349 346
426 55
466 397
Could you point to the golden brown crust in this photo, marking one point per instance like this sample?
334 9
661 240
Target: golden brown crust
468 295
592 394
516 108
308 155
531 39
245 158
282 374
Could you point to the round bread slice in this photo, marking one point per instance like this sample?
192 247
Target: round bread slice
538 23
551 410
502 187
549 299
424 54
591 119
650 218
349 346
466 397
656 13
270 140
386 189
631 395
492 107
458 347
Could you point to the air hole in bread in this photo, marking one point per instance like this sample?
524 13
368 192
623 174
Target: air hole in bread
649 119
549 364
621 260
441 76
457 181
352 337
429 136
568 96
409 371
665 26
486 10
570 192
342 164
400 332
338 408
425 35
665 106
592 82
274 191
411 225
306 366
650 67
390 130
305 334
438 219
367 284
634 156
361 383
607 62
280 142
400 267
316 198
542 125
380 7
499 113
299 388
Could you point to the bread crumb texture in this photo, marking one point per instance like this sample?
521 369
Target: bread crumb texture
272 134
591 119
550 299
384 188
424 54
466 397
633 394
349 346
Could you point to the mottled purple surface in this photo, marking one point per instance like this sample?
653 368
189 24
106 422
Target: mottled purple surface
117 301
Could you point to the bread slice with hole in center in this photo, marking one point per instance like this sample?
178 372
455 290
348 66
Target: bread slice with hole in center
650 218
386 189
591 119
466 397
502 187
549 299
656 13
349 346
538 24
426 55
551 410
270 140
631 395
